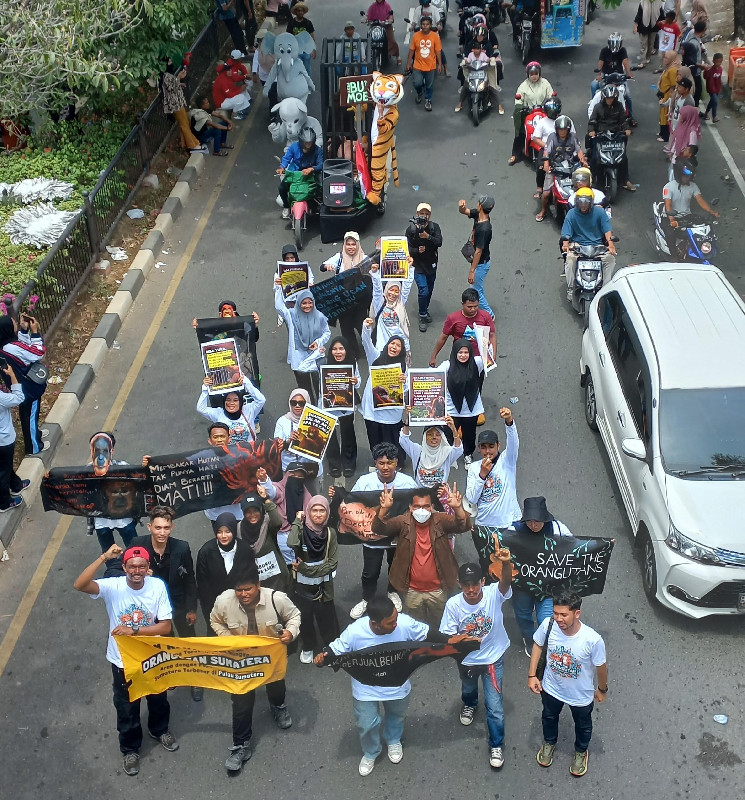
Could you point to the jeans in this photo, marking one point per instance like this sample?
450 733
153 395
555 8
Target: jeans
426 286
478 285
523 605
367 714
492 698
243 710
106 535
372 564
424 80
128 714
582 722
305 58
713 105
216 135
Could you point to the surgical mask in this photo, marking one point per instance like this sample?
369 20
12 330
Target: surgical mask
421 515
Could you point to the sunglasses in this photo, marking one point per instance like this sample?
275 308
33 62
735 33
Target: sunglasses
300 403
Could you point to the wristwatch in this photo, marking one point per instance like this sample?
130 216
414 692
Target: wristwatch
136 630
603 691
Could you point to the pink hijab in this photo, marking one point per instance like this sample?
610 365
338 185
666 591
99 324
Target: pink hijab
687 131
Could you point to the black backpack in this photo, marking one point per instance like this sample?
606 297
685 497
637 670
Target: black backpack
32 377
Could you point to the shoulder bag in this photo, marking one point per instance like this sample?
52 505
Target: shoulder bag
541 666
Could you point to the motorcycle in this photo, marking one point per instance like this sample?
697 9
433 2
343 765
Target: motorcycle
378 41
617 79
531 150
561 188
304 203
478 90
439 19
588 277
527 25
495 13
611 150
695 240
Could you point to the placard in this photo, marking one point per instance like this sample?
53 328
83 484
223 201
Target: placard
349 290
484 347
293 277
337 389
394 258
314 431
354 89
387 388
222 364
426 396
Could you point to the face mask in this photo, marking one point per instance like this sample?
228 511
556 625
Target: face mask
421 515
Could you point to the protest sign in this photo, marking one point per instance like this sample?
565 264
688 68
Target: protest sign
394 258
543 564
347 291
233 664
393 664
293 277
314 430
484 348
354 89
426 396
387 389
243 331
124 491
337 389
221 365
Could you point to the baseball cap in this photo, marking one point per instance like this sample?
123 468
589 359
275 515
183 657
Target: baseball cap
135 552
470 573
686 83
486 202
236 54
296 466
349 24
424 207
488 437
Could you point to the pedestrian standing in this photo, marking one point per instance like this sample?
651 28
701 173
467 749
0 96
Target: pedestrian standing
425 240
575 658
258 529
480 239
477 612
669 35
713 77
226 12
137 605
389 307
693 54
11 396
666 89
648 14
288 423
174 102
432 459
425 58
460 324
343 456
299 23
291 496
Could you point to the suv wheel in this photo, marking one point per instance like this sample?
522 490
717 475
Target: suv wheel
649 567
591 405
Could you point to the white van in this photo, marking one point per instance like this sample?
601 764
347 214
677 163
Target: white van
663 372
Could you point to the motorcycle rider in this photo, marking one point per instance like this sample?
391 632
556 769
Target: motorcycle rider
380 11
582 178
438 15
586 224
614 58
476 58
516 12
544 127
610 115
350 47
561 145
304 156
495 71
677 195
533 91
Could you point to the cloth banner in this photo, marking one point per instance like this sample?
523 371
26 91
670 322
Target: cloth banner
343 292
393 664
233 664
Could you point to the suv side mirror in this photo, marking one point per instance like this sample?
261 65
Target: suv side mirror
634 448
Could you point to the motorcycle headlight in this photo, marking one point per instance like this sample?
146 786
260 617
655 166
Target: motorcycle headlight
705 247
481 86
689 548
377 34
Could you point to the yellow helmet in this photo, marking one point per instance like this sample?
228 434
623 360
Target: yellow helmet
584 192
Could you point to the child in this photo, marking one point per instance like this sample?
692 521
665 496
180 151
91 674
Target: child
713 76
477 54
669 35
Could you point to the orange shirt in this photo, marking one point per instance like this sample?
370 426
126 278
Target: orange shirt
425 49
423 576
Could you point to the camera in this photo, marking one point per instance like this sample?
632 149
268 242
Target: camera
419 222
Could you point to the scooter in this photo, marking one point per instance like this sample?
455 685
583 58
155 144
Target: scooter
696 240
617 79
527 25
588 277
478 90
562 188
378 41
495 13
531 150
611 150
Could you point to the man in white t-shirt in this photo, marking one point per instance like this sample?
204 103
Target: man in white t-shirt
137 605
477 612
574 656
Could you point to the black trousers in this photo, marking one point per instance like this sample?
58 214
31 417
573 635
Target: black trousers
344 457
236 33
309 382
698 88
322 614
9 481
128 714
243 709
378 432
183 628
372 564
467 427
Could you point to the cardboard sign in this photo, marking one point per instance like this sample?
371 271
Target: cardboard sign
394 258
485 348
315 429
221 363
387 389
293 277
354 89
426 396
337 389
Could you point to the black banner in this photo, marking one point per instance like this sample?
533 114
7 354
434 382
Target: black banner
393 664
343 292
544 564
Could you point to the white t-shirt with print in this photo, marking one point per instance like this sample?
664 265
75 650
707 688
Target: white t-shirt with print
483 620
127 606
570 662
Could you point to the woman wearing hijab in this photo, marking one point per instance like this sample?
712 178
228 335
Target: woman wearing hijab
307 333
291 495
666 89
349 257
462 392
258 528
383 424
699 12
314 544
344 456
389 307
648 15
685 136
216 559
434 457
287 425
290 256
238 410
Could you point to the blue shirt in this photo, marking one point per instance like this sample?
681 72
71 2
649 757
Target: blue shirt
295 159
587 228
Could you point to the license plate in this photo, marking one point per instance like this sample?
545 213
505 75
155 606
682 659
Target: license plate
590 264
741 601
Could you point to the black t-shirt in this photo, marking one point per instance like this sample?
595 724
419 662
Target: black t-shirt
481 235
296 26
612 62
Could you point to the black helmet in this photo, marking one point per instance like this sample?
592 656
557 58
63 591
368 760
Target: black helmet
307 134
683 168
552 107
610 91
615 40
563 123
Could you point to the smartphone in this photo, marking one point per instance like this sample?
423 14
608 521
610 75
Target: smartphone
3 363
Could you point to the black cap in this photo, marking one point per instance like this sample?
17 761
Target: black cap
470 573
486 202
252 500
488 437
297 466
686 83
534 508
289 248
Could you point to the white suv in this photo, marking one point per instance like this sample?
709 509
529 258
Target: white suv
663 370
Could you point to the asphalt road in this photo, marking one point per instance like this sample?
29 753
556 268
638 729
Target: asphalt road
668 676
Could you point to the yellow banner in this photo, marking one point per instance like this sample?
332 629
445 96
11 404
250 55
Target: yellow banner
233 664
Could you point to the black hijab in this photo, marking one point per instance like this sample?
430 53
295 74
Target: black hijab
226 520
234 415
463 379
7 330
384 359
348 359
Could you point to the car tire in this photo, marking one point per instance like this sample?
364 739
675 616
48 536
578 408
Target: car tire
649 566
591 404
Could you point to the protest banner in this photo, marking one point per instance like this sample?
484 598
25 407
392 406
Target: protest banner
347 291
221 365
233 664
426 396
124 491
393 664
543 564
484 348
337 389
394 258
314 430
387 389
293 277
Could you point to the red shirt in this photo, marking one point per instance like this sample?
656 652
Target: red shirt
457 323
713 75
423 576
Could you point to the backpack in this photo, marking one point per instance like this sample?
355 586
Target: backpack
32 377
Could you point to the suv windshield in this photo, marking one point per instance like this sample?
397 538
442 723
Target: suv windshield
702 432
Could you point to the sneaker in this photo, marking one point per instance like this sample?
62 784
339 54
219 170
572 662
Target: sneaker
480 421
44 433
422 325
201 149
25 483
579 764
14 503
427 317
197 693
366 766
545 756
528 647
45 446
131 763
285 213
239 754
427 105
396 600
306 656
468 460
358 610
349 472
419 98
167 739
395 753
496 757
335 472
466 715
282 717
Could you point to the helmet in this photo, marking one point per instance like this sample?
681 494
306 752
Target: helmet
552 107
307 134
615 40
480 31
582 176
533 66
563 123
683 168
584 196
610 91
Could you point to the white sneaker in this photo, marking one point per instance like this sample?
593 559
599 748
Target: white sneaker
467 460
496 757
395 753
306 656
44 433
357 611
285 213
396 600
366 766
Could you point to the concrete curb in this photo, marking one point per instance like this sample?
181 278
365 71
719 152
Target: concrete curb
81 378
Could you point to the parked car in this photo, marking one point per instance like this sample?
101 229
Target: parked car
663 373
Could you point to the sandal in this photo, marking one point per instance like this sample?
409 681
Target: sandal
512 161
539 217
228 147
220 154
630 187
501 109
715 119
537 195
457 109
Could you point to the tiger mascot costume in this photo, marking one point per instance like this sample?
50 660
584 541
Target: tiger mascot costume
386 91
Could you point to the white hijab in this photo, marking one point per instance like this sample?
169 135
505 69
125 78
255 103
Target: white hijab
434 457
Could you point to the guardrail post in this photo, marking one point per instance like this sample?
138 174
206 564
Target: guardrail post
90 224
143 142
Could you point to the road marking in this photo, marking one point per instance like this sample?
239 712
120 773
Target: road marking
724 150
17 624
